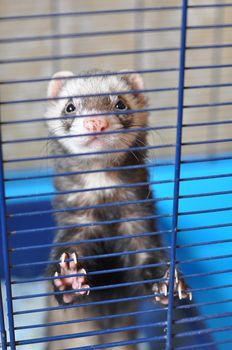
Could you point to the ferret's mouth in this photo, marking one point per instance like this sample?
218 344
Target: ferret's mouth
95 141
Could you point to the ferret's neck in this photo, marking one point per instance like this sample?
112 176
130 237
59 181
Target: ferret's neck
69 163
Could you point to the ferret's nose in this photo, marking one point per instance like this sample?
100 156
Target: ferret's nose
96 124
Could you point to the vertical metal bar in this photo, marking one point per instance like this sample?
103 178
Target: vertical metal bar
56 44
2 324
139 21
169 342
5 249
216 77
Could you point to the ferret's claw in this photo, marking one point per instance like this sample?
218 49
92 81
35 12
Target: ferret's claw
179 291
165 290
176 276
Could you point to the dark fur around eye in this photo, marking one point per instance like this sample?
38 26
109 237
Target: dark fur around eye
121 106
68 115
69 108
125 119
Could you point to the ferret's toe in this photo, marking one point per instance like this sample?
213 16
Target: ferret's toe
181 289
63 263
160 290
73 263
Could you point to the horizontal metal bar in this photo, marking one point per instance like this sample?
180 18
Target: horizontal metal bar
201 304
200 244
208 66
206 274
14 39
203 331
10 40
76 209
99 94
206 227
97 318
208 86
124 150
89 13
133 185
148 165
85 334
187 276
133 167
121 329
102 133
110 222
106 54
195 143
210 26
131 252
215 257
111 151
90 75
54 193
208 345
207 105
120 343
205 211
94 223
206 47
203 160
112 204
223 122
204 317
86 55
119 300
102 302
89 241
141 71
36 120
93 273
103 287
206 6
84 258
205 177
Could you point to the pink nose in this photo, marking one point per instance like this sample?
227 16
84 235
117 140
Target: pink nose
95 124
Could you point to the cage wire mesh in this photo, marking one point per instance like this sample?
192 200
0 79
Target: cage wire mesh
182 49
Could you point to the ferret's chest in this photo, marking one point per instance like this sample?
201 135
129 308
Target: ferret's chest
99 188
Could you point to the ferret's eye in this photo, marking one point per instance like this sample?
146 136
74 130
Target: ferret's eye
120 105
70 108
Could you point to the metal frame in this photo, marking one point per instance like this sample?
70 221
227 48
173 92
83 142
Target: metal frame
5 233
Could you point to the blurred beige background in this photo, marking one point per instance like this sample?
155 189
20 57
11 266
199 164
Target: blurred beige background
105 43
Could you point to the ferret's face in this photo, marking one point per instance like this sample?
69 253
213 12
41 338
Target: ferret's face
84 108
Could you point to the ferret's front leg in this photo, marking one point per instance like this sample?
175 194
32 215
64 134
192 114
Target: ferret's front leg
70 278
157 268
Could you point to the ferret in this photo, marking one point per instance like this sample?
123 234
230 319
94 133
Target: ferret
107 232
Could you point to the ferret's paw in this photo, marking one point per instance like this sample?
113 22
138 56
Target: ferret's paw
160 289
78 283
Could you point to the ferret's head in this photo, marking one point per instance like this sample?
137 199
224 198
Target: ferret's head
93 110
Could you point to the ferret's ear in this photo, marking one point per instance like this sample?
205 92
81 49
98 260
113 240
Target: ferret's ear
57 82
135 82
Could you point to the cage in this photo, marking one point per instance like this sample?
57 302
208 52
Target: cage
182 49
